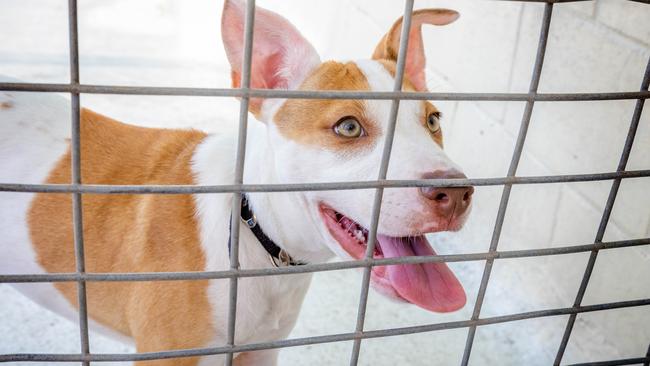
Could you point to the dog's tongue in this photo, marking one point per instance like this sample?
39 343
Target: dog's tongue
429 285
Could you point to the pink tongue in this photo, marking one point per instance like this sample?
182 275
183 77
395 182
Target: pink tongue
429 285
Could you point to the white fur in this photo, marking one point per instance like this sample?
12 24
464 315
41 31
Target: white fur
413 154
267 307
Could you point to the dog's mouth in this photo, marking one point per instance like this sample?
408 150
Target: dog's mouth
431 286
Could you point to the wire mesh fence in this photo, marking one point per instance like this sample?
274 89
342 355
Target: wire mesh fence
77 189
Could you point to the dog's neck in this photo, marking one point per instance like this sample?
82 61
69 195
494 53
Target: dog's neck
286 217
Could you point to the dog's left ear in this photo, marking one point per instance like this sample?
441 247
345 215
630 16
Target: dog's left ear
388 47
282 57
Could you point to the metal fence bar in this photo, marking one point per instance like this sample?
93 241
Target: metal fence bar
326 186
295 342
316 94
624 361
383 171
512 171
311 268
77 209
239 174
627 148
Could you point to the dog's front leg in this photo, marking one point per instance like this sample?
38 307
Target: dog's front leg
171 316
267 357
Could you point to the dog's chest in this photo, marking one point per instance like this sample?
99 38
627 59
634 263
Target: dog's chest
276 314
267 307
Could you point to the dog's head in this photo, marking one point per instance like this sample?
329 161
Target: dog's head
343 140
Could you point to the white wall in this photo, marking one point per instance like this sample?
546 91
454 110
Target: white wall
594 46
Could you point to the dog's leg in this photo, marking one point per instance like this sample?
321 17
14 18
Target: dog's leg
170 316
267 357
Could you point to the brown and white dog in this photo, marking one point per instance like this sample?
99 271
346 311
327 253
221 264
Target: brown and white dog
289 141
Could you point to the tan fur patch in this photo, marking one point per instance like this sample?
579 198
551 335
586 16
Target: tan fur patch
310 121
6 105
131 233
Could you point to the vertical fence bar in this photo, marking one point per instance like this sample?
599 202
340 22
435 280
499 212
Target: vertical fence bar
647 356
77 210
383 170
512 171
627 148
239 173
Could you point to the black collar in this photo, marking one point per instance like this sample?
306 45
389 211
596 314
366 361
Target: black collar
279 257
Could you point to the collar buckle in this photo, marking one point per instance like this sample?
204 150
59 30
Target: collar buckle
251 222
283 259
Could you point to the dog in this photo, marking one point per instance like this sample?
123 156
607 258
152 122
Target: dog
289 141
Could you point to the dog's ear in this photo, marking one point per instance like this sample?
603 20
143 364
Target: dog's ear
282 58
388 47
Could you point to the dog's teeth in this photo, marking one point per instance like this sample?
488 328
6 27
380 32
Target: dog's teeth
354 230
359 236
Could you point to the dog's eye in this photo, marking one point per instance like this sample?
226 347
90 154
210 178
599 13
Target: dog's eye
433 122
349 127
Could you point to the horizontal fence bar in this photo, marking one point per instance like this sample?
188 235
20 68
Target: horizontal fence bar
317 94
546 1
552 1
311 268
624 361
148 356
563 1
326 186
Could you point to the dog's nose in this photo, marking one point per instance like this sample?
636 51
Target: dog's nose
451 200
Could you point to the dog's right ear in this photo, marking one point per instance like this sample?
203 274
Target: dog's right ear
282 57
388 47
